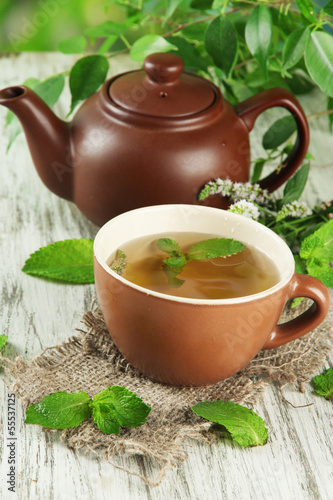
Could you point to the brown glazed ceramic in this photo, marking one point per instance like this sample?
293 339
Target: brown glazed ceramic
149 137
192 342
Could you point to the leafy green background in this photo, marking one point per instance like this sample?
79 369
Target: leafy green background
244 47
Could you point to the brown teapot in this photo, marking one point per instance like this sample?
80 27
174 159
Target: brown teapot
149 137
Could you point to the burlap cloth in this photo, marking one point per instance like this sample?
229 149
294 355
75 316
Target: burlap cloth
90 361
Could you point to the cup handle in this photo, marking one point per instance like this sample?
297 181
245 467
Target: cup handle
251 108
302 286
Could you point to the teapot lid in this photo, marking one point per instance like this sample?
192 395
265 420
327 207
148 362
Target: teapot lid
162 89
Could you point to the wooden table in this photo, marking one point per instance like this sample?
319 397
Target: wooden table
297 461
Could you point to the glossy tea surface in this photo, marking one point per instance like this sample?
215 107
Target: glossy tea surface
245 273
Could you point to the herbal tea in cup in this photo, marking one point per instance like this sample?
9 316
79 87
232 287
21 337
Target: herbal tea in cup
187 340
195 265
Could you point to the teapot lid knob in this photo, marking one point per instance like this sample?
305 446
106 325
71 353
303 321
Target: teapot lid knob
162 89
163 67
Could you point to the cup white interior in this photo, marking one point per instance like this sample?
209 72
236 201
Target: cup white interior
193 218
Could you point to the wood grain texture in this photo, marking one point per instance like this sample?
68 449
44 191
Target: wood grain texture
297 461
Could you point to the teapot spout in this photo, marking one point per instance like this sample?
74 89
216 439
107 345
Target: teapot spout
48 138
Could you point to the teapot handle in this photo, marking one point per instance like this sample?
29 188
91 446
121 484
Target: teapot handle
251 108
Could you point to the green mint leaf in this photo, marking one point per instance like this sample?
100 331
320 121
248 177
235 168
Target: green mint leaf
68 260
176 261
3 341
169 246
320 267
215 247
279 132
120 262
323 384
221 43
86 76
244 425
296 184
258 35
177 257
115 407
300 265
319 243
171 274
73 45
317 250
60 410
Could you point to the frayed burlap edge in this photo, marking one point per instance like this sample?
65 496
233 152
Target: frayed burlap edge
90 361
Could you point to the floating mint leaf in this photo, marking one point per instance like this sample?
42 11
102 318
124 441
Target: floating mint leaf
3 341
244 426
119 264
60 410
177 257
171 273
115 407
176 261
215 247
68 260
169 246
323 384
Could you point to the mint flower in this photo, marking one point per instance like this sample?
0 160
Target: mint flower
245 208
237 191
294 209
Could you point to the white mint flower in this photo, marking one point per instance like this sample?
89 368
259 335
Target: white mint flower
294 209
245 208
237 191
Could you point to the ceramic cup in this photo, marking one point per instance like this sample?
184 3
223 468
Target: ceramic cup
193 342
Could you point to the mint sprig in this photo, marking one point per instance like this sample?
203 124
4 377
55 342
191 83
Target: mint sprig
207 249
68 260
242 424
112 408
115 407
323 384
